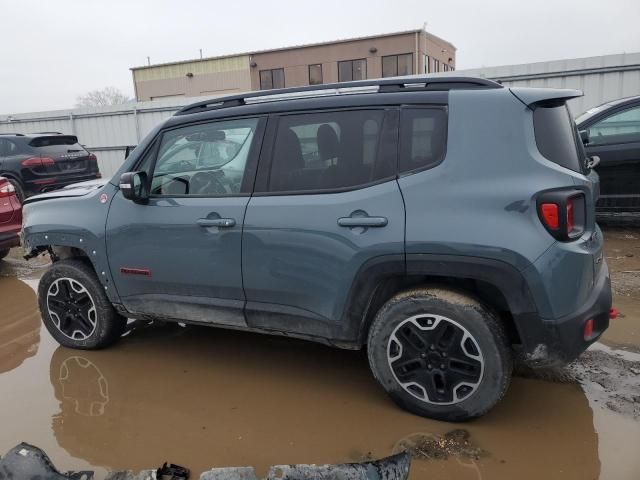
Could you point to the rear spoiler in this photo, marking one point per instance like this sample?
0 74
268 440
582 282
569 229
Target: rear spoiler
532 96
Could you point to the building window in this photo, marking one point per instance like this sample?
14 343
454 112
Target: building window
271 79
445 67
394 65
436 65
451 69
427 64
352 70
315 74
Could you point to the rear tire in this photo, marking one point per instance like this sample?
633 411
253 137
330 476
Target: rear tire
75 309
4 253
440 354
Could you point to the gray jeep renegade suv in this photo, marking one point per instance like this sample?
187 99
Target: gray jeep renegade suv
444 223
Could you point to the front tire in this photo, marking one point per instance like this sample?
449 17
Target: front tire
4 253
440 354
75 309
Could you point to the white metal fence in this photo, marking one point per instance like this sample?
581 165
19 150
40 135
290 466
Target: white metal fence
108 131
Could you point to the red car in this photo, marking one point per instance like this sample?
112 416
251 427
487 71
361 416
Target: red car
10 217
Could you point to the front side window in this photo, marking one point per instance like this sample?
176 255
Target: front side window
328 151
315 74
271 79
621 127
423 135
208 159
349 70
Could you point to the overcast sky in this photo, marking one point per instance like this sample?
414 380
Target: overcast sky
53 51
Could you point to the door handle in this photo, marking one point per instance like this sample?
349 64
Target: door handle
363 221
216 222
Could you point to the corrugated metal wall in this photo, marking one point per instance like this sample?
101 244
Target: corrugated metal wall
107 131
602 79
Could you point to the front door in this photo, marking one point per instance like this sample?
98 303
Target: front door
326 204
616 140
179 255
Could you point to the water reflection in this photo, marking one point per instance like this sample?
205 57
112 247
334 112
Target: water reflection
205 397
19 324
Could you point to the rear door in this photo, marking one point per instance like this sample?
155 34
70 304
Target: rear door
615 138
326 204
178 256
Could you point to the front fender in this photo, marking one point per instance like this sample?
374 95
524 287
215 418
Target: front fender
73 222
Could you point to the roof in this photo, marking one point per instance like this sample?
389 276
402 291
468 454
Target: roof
293 47
34 134
384 85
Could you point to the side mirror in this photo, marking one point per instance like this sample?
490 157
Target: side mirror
134 186
592 162
584 136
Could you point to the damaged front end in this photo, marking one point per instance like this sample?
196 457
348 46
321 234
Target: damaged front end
29 462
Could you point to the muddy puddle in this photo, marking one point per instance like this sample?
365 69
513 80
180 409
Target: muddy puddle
203 397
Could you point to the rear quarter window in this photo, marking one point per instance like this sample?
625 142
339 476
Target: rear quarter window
556 136
423 137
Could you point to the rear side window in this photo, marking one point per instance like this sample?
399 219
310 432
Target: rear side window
423 136
54 141
7 147
329 151
556 136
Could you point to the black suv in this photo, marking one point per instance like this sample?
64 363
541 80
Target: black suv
611 132
40 162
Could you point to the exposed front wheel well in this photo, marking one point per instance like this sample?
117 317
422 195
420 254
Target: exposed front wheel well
486 293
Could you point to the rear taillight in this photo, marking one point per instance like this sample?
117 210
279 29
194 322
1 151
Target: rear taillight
549 212
37 162
563 213
6 189
93 158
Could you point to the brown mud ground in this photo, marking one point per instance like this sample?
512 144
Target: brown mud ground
203 397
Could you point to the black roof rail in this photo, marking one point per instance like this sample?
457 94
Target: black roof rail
344 88
14 134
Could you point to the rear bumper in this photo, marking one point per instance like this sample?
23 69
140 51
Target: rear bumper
564 337
9 240
55 183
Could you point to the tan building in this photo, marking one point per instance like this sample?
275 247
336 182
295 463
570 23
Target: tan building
403 53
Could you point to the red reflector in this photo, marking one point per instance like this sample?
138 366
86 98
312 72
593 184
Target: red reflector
549 212
145 272
613 313
588 329
45 181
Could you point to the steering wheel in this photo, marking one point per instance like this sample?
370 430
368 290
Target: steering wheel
186 165
206 183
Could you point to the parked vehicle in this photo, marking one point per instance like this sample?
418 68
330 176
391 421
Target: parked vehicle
443 223
40 162
612 133
10 217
